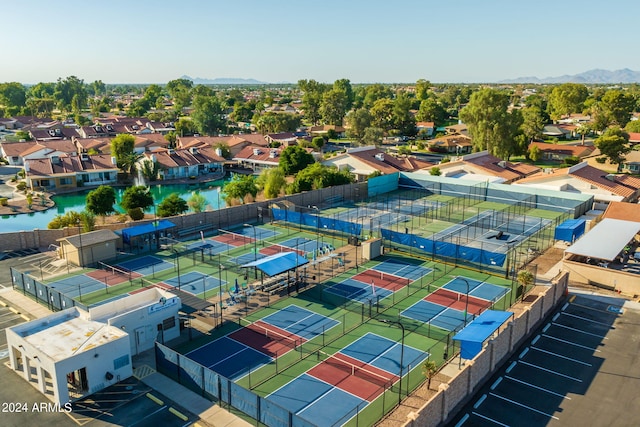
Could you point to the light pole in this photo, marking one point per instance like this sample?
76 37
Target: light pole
255 248
466 301
178 266
296 252
395 322
80 251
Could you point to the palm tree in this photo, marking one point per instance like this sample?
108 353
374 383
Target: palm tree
150 170
429 370
525 279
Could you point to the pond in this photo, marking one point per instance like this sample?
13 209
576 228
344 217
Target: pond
76 202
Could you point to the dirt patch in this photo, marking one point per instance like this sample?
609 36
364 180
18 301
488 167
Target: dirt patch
548 259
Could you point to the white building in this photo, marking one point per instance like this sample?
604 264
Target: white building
72 354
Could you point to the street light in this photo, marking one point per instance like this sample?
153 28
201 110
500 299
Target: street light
396 322
466 301
178 266
81 257
296 252
255 248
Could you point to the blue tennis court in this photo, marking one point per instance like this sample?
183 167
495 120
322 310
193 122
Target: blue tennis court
145 265
300 321
302 244
195 282
384 353
260 233
228 357
409 271
209 246
358 291
246 258
436 315
77 285
478 289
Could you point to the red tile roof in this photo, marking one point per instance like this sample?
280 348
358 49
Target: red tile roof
569 150
187 157
492 165
388 164
623 210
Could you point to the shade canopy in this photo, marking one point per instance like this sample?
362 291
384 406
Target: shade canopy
139 230
478 331
606 240
278 263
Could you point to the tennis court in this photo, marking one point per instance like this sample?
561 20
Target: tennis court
403 269
351 289
209 246
300 321
382 280
438 315
476 288
76 286
146 265
343 383
195 282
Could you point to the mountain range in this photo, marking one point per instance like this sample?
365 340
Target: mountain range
588 77
223 81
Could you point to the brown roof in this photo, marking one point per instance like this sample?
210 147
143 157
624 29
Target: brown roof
186 157
570 150
623 210
102 145
634 137
388 164
151 140
199 141
451 141
69 165
260 155
509 171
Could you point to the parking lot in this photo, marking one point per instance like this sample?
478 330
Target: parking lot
8 318
579 368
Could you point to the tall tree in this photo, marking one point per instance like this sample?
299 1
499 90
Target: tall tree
208 115
271 181
618 107
372 136
376 92
334 107
403 119
197 202
358 121
312 99
566 99
422 89
344 86
294 159
180 92
382 114
101 200
172 205
66 89
122 149
431 111
490 124
614 144
138 196
13 96
532 122
239 188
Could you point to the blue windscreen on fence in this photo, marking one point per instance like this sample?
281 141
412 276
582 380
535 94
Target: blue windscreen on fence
319 222
446 249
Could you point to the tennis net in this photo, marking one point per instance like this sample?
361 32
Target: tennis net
115 271
370 373
265 330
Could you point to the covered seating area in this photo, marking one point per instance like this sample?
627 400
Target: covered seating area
277 268
613 242
476 333
145 237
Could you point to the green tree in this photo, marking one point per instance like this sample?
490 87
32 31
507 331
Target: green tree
137 196
312 92
633 126
239 188
617 107
431 111
317 176
83 219
429 370
525 279
532 122
614 144
225 151
180 92
344 86
13 96
271 181
490 124
566 99
403 119
197 202
294 159
382 114
435 171
333 107
317 142
422 89
534 153
150 169
135 214
374 93
172 205
66 89
101 200
272 122
358 121
208 115
122 149
372 136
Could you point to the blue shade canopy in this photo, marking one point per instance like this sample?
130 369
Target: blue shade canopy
479 330
278 263
139 230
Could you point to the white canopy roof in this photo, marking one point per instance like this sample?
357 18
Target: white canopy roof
606 240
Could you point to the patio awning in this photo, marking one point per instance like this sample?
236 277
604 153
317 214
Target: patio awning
473 336
606 240
139 230
278 263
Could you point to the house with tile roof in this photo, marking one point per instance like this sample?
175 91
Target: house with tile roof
451 144
258 158
363 161
52 134
484 166
70 171
324 129
426 128
622 210
586 179
99 145
283 138
149 142
562 151
634 138
18 152
186 163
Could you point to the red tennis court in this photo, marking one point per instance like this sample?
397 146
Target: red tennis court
458 301
382 280
233 239
353 376
276 249
111 277
267 338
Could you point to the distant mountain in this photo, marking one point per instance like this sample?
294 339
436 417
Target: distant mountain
223 81
592 76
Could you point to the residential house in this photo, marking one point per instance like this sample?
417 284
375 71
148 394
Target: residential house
130 125
560 131
186 163
586 179
562 151
18 152
460 128
258 158
451 144
99 145
150 142
95 131
324 129
161 128
14 151
426 128
53 134
484 166
284 139
70 171
634 138
276 108
363 161
199 141
575 118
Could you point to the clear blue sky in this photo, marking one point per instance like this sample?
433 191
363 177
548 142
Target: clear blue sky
365 41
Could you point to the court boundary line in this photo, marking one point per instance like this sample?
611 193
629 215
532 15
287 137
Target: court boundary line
312 313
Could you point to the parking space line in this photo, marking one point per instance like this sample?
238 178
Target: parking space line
550 371
490 419
592 309
589 320
579 330
537 387
535 340
555 317
463 420
570 342
564 307
562 357
495 384
479 402
547 326
524 406
513 365
524 352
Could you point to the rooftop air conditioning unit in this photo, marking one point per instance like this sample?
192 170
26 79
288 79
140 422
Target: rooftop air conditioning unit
193 150
109 128
52 132
84 157
256 151
502 164
380 156
273 154
171 152
99 129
